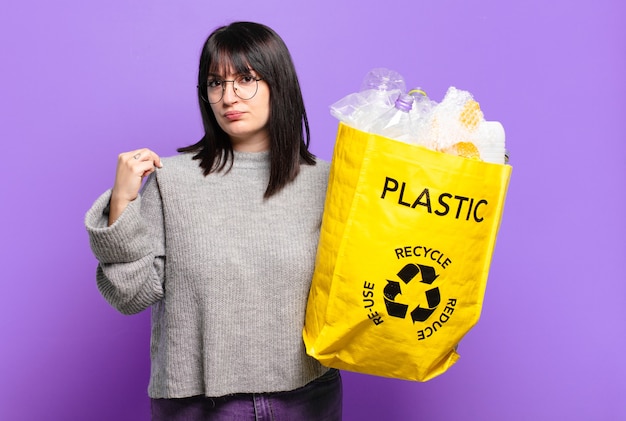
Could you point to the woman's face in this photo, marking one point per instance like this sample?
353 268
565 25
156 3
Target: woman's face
244 120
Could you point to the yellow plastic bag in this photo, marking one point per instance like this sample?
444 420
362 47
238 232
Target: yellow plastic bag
405 247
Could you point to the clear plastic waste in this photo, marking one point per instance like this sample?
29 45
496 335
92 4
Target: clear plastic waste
422 105
456 125
491 142
384 79
422 110
397 122
379 90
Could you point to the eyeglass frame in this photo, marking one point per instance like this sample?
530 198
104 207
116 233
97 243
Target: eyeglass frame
205 87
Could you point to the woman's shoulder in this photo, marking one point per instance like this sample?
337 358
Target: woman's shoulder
316 174
320 166
177 166
322 162
180 162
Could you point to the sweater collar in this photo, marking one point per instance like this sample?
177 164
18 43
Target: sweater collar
251 159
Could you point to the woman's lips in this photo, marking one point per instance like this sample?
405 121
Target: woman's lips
233 115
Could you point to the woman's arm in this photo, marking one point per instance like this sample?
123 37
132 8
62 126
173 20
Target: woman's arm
131 250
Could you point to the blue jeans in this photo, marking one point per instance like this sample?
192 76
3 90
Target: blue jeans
319 400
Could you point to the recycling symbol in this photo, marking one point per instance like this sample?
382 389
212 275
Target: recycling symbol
406 275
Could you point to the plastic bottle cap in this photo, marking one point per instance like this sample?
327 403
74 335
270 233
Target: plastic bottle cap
404 102
417 92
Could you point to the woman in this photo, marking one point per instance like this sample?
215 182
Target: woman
221 243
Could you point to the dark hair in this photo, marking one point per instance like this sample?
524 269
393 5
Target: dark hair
245 46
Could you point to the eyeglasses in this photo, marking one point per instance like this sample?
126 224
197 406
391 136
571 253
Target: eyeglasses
245 87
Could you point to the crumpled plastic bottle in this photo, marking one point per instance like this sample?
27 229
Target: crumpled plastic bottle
384 79
377 95
398 122
423 108
422 104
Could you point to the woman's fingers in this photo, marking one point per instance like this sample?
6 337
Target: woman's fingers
140 162
146 155
132 167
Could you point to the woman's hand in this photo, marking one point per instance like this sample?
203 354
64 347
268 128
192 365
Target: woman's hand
132 167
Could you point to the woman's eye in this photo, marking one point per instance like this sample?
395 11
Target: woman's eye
246 80
214 83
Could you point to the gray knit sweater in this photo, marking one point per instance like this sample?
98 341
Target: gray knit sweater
226 274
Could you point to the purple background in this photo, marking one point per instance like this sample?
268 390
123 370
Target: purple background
82 81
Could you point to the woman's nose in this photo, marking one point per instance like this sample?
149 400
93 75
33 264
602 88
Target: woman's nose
229 94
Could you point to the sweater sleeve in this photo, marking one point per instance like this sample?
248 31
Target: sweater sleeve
130 252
